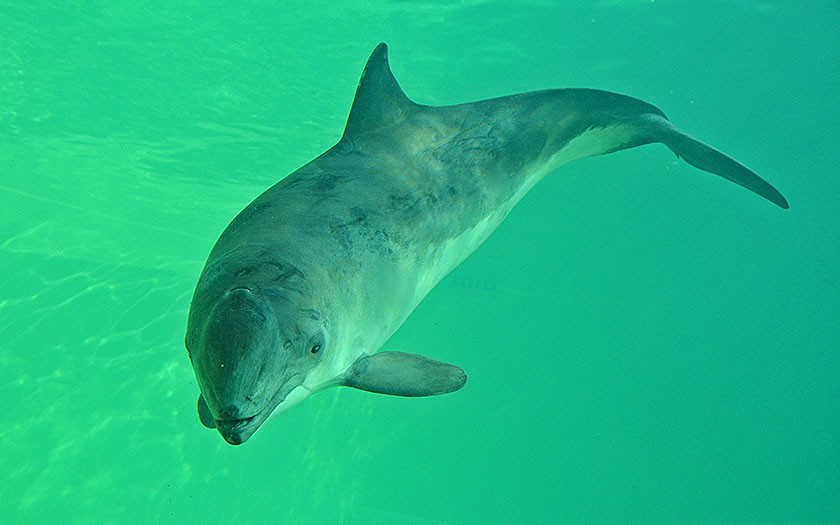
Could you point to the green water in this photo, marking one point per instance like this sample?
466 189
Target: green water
645 343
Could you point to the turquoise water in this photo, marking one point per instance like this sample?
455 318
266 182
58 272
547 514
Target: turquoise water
645 343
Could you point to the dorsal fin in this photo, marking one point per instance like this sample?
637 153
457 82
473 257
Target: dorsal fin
379 101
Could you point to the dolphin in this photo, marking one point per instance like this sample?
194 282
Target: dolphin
308 282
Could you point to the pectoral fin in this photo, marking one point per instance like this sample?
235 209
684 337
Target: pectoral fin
204 414
402 374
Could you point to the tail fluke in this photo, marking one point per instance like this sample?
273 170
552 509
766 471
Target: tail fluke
709 159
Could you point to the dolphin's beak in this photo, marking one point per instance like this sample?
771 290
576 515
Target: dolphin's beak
238 431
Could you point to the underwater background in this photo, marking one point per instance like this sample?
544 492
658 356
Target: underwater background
645 342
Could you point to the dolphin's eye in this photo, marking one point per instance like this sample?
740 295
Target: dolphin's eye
316 349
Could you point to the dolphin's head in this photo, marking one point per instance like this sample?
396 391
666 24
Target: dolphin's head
252 346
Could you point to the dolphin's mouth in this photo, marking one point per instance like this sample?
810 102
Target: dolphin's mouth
237 431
